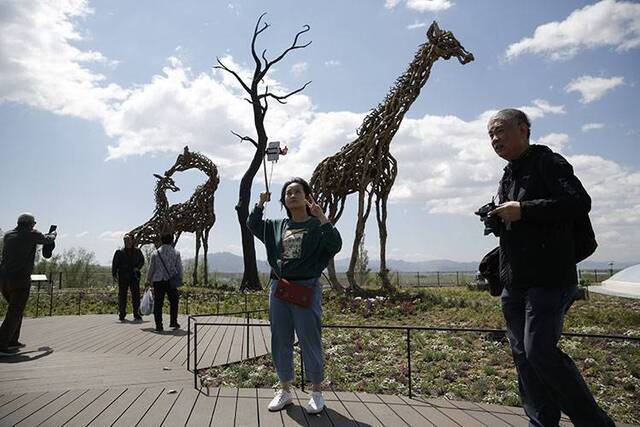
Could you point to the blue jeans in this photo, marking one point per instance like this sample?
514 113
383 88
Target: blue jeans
548 380
286 318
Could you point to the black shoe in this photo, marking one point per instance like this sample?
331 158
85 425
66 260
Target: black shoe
6 351
175 325
159 329
137 319
122 319
16 344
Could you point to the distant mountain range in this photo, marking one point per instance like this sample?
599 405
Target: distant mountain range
226 262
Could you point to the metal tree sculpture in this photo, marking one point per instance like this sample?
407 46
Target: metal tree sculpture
196 215
365 166
260 104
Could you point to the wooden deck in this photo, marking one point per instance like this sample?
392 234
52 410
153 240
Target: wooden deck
94 370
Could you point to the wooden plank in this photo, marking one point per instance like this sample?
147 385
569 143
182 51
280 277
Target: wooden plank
69 411
266 417
435 417
110 413
95 408
337 412
225 411
459 416
159 409
134 413
222 357
513 419
368 397
44 413
314 420
409 415
18 403
205 340
30 408
203 409
7 398
179 413
247 411
488 419
385 414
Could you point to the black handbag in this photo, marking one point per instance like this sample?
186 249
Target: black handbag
489 269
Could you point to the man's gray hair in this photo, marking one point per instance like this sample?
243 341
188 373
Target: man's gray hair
26 218
513 116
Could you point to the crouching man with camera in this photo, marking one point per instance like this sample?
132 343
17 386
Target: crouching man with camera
540 202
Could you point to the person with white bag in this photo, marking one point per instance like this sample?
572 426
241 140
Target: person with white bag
165 275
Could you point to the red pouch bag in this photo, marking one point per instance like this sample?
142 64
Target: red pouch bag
294 293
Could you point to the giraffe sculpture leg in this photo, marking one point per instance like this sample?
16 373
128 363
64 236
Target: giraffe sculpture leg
363 214
381 216
205 245
195 265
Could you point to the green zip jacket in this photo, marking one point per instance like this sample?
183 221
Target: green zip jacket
295 250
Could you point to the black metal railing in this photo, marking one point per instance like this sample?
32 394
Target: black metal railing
407 329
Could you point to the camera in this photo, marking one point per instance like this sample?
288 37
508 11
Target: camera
491 223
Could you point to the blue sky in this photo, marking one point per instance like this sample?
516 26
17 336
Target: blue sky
96 96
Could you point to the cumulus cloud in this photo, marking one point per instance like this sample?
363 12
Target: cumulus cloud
112 236
592 126
593 88
82 234
607 23
299 68
422 5
332 63
556 141
40 67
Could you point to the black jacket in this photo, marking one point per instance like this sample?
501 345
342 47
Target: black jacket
126 264
539 250
19 251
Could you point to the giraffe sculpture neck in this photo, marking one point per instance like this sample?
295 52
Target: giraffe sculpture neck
162 204
387 116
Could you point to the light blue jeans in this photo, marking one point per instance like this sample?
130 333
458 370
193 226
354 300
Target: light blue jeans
288 318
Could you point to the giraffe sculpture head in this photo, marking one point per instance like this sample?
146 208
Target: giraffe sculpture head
447 45
183 162
165 183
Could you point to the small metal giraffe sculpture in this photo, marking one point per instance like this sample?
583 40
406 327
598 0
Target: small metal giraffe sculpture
196 215
365 166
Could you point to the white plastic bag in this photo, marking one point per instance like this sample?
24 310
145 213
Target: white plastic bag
146 306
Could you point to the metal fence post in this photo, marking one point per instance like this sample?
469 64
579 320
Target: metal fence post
195 355
409 360
438 275
245 301
188 343
595 273
418 278
79 301
457 278
218 303
60 280
247 335
187 298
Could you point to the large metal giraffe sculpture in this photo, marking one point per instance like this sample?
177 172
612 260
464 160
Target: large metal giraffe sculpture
365 165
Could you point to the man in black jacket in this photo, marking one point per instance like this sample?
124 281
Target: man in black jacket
540 198
125 269
18 257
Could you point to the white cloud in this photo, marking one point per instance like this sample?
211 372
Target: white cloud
593 88
299 68
422 5
416 25
606 23
39 65
82 234
332 63
112 236
556 141
592 126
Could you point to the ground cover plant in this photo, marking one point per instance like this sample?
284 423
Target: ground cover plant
467 366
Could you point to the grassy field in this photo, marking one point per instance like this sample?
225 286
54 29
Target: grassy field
464 366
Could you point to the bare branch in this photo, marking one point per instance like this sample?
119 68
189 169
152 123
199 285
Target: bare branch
256 32
293 46
281 98
228 70
246 138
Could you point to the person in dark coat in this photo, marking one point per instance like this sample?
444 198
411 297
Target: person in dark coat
540 200
16 266
125 268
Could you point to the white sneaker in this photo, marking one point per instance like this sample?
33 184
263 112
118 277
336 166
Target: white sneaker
280 400
316 403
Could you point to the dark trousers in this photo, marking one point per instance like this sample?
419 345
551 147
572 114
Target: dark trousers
548 380
159 290
123 287
16 293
